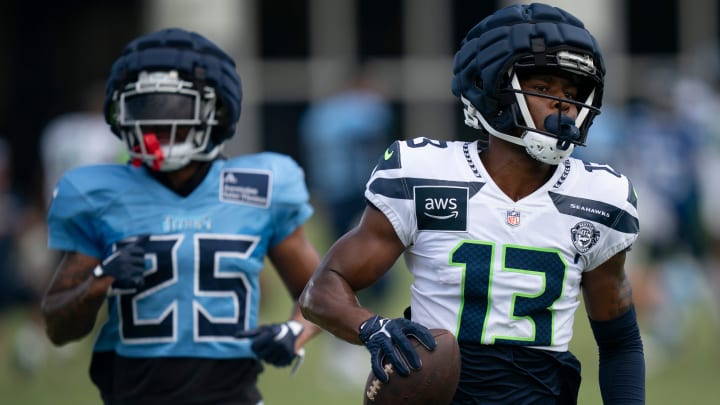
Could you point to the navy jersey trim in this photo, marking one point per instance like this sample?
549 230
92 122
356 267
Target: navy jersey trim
390 159
600 212
401 187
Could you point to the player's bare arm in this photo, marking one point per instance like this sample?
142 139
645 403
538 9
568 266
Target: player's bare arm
73 298
607 290
354 262
295 259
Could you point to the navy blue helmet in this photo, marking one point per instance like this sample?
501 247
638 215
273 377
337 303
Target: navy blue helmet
178 82
519 39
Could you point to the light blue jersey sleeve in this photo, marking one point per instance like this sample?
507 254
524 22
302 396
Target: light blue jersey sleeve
290 195
74 217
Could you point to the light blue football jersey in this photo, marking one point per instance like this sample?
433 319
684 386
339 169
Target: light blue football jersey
490 269
204 256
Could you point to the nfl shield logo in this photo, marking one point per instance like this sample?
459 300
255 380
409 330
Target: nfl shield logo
513 218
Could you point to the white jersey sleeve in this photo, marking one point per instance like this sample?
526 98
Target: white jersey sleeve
491 269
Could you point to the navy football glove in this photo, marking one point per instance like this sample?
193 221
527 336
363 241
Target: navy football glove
389 338
275 343
126 265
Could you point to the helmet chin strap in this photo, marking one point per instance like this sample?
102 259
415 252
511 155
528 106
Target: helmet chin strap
474 119
539 146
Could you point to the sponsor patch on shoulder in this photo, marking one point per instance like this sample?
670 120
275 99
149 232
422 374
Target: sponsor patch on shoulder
249 187
441 208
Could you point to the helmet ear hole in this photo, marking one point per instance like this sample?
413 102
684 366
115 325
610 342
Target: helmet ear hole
478 82
221 114
505 120
113 120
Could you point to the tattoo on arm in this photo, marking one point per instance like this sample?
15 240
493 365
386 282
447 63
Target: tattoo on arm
624 298
71 303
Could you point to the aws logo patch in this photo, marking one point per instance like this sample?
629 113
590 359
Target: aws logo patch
441 208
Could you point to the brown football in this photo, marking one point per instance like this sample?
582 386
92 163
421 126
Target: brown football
433 384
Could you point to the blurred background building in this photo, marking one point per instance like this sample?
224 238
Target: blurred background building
292 52
658 124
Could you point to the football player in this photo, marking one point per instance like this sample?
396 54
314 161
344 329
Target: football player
501 237
174 241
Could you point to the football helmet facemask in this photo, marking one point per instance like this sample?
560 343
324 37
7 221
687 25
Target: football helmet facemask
522 39
165 121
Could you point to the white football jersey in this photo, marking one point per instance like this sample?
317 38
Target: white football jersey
490 269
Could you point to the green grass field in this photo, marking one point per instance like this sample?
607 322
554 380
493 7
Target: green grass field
691 378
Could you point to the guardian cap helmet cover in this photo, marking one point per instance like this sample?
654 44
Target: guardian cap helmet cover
182 82
524 38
